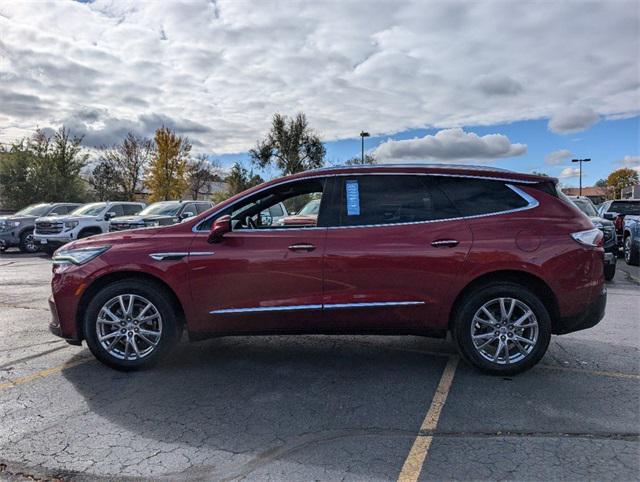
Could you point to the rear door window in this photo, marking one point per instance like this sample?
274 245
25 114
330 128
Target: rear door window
391 199
475 197
117 209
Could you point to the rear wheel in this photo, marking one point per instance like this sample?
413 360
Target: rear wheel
28 243
502 329
130 325
609 271
631 257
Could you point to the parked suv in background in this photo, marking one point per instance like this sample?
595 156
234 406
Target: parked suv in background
610 243
52 232
17 229
616 211
161 213
631 240
500 259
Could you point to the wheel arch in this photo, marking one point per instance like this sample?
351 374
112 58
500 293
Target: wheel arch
91 229
530 281
113 277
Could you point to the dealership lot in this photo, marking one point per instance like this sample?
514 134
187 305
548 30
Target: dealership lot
315 407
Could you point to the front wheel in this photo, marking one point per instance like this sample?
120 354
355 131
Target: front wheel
631 257
28 243
130 325
502 329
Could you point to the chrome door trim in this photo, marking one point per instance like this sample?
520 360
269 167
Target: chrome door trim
262 309
373 304
330 306
202 253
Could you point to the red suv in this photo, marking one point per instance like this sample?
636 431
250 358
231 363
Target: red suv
500 259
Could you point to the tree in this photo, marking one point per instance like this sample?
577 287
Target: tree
200 173
620 179
43 168
369 159
166 178
239 179
104 181
291 145
126 162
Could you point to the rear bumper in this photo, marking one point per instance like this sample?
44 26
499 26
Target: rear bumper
590 317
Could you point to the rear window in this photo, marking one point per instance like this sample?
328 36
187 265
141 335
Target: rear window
392 199
625 207
474 197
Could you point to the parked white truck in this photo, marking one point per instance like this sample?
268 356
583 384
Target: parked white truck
51 232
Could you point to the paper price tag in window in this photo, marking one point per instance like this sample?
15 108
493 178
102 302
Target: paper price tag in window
353 198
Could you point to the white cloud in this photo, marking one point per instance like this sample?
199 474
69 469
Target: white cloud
569 172
229 65
632 162
557 157
449 145
572 119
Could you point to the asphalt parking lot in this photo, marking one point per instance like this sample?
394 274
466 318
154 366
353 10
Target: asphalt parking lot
315 407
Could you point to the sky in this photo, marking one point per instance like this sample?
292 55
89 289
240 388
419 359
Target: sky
525 85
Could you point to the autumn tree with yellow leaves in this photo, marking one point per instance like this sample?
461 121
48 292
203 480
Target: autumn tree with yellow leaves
167 174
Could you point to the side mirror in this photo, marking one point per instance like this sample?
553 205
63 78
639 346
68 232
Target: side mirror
109 215
187 214
220 227
609 216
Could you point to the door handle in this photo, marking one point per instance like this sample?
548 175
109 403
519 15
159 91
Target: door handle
445 243
302 247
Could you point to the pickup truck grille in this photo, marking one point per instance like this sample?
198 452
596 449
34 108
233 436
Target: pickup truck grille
48 228
122 226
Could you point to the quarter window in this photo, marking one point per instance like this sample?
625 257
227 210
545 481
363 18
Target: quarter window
391 199
474 197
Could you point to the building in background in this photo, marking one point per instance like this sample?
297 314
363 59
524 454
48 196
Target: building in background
631 192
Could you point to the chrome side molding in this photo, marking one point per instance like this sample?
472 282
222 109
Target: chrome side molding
330 306
174 256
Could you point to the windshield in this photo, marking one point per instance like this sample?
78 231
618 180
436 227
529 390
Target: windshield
586 207
164 208
625 207
312 207
34 210
92 209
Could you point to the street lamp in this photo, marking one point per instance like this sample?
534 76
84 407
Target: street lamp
580 161
363 134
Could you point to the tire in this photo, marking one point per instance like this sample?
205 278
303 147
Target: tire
27 243
87 233
609 272
118 350
471 317
631 257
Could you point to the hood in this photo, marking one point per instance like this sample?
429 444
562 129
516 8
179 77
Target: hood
61 219
604 222
17 218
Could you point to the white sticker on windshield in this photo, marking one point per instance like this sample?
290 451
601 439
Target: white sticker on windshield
353 198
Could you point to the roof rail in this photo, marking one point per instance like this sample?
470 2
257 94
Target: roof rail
470 167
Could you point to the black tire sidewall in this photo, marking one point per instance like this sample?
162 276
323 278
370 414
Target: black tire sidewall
609 272
472 303
632 259
154 293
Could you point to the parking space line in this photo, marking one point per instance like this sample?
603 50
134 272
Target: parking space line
417 455
600 373
42 373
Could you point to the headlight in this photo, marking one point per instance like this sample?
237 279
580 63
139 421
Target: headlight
69 225
598 225
79 255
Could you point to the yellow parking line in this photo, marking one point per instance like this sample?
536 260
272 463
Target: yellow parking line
586 371
417 455
42 373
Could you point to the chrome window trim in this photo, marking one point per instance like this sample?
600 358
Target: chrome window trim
532 202
330 306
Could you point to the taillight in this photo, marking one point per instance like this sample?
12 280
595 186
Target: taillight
590 237
619 222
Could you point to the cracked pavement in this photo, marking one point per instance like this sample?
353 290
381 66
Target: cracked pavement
311 407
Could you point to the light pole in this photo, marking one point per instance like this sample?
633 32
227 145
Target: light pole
580 161
363 134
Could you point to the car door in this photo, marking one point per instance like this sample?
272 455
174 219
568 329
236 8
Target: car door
259 278
391 254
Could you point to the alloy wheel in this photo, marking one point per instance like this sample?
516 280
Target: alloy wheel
30 243
504 330
129 327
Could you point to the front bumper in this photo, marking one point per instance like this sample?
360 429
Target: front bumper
8 239
589 318
56 242
54 324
